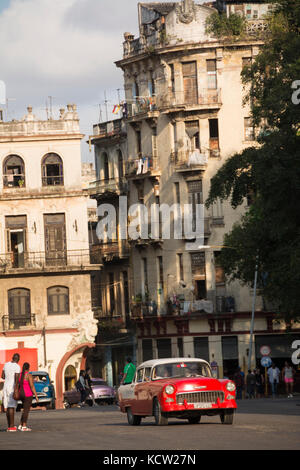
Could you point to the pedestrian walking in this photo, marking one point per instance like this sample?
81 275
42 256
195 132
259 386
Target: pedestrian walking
27 390
288 378
274 374
129 372
239 381
259 384
88 385
9 372
250 383
81 387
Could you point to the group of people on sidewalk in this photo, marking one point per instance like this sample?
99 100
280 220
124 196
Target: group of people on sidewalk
254 383
18 385
84 386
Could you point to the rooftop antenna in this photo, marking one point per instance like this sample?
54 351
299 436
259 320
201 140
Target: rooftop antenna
105 103
118 91
7 108
50 105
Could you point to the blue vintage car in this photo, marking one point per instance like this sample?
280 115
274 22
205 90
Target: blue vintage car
44 389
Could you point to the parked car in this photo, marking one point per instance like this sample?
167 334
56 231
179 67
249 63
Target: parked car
177 388
44 389
103 393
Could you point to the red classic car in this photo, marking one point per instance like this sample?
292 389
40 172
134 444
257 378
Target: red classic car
177 388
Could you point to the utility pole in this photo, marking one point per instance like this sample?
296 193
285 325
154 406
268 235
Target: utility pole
252 317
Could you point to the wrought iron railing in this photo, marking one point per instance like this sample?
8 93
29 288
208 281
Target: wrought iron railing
11 322
202 97
111 185
43 260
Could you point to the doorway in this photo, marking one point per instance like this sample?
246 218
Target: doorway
70 378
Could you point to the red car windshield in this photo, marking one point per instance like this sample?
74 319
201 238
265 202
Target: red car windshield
181 369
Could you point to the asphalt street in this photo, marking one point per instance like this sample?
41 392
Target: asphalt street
264 424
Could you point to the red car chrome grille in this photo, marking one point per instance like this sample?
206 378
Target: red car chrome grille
199 397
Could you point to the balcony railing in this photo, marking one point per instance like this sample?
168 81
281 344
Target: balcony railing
210 98
144 309
10 322
111 250
108 129
142 106
43 260
112 185
190 307
141 166
189 159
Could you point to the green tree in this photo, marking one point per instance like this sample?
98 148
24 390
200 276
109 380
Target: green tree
270 229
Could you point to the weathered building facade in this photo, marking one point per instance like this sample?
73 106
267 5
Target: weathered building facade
185 115
45 263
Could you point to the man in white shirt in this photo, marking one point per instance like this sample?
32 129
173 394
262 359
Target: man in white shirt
9 372
274 374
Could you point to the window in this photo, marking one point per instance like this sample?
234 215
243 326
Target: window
135 90
164 348
139 142
16 235
201 348
211 67
180 347
190 84
195 196
105 166
140 375
112 299
19 307
192 131
180 266
217 212
55 239
248 128
13 172
52 170
172 77
198 264
177 192
147 349
145 275
214 137
58 300
246 61
219 271
160 271
120 164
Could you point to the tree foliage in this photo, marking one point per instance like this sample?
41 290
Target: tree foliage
270 229
221 25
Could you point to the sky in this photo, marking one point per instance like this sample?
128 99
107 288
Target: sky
65 49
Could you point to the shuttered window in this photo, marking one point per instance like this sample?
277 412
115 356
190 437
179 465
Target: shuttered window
190 85
58 300
211 67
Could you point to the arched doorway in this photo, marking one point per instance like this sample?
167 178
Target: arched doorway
70 377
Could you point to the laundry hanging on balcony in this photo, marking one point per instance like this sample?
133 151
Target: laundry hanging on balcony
197 158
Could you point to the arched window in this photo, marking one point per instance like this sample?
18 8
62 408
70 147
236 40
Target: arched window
120 164
58 300
52 170
106 166
19 311
13 172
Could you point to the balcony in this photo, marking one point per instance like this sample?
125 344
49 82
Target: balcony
109 129
33 262
189 160
107 187
143 107
184 100
111 251
142 167
143 309
10 322
190 308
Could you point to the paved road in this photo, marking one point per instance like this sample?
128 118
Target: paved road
259 424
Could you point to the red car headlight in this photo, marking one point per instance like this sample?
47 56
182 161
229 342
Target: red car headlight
230 386
169 389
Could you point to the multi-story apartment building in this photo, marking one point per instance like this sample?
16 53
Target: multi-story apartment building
185 115
112 288
45 263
